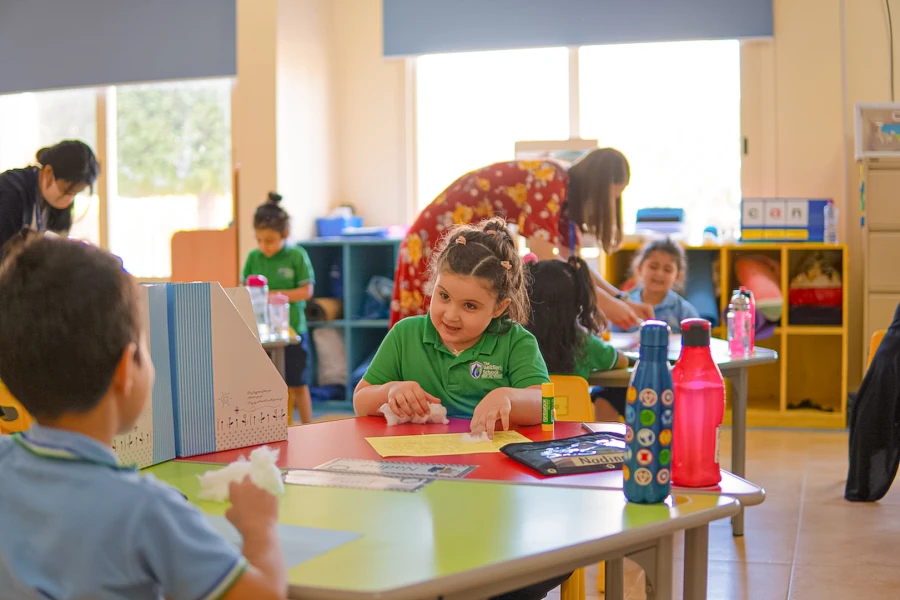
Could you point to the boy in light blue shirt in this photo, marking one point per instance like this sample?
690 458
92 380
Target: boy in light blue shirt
77 525
658 267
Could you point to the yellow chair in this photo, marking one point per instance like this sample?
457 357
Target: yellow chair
572 402
873 345
13 417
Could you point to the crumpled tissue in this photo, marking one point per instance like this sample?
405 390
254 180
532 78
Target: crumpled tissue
438 415
261 468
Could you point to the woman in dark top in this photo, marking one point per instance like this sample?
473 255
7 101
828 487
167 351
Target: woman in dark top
41 197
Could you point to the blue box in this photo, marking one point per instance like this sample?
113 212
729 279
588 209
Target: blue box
333 226
783 219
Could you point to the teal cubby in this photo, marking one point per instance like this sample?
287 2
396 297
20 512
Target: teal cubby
360 259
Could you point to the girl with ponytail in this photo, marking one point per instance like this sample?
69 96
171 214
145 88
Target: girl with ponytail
567 323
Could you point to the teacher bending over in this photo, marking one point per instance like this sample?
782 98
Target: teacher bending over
542 197
41 197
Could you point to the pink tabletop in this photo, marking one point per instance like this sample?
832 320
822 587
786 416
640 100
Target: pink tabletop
309 446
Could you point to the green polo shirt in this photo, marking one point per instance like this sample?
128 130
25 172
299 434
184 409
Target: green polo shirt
287 269
413 351
597 355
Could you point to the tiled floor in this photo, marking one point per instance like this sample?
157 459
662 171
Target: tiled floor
805 542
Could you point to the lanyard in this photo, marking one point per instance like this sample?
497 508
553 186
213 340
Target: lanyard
571 237
38 217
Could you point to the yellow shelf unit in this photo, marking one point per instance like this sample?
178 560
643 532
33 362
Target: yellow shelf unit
812 361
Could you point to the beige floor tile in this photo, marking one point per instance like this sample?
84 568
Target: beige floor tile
828 583
742 581
865 547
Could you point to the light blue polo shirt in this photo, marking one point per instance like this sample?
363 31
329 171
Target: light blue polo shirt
673 310
76 525
413 351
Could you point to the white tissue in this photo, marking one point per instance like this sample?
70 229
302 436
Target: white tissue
438 414
472 438
261 469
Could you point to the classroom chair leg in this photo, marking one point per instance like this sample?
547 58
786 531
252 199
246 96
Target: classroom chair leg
601 577
573 588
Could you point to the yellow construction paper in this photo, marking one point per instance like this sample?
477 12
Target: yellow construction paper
441 444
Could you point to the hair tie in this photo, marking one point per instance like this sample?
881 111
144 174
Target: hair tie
491 232
574 263
506 264
461 240
531 257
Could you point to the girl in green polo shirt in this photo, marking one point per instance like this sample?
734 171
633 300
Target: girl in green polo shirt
289 272
469 352
567 324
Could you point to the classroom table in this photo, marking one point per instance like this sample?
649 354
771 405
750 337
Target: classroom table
458 540
312 445
733 369
275 350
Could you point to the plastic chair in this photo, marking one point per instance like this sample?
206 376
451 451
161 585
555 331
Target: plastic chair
572 399
572 402
873 345
13 416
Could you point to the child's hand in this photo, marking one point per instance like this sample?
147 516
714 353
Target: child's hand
496 405
253 509
642 310
408 399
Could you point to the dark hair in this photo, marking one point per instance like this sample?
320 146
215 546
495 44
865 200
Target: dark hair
67 313
563 310
269 215
589 204
72 161
665 246
487 251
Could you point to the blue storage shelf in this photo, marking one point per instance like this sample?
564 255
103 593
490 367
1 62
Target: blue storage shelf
360 259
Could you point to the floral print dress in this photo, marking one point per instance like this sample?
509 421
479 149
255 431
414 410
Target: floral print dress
531 194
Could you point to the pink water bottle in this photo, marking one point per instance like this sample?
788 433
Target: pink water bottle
700 406
740 326
748 294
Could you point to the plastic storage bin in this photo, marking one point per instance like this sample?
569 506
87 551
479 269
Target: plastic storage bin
333 226
877 130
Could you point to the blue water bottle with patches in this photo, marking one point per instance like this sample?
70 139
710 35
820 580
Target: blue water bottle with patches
649 414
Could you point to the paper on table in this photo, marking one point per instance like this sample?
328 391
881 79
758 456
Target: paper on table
442 444
298 544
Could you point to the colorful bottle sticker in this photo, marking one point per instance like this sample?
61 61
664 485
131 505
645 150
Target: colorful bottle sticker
629 413
643 476
665 437
663 476
646 437
644 457
626 472
631 394
667 418
648 397
648 418
665 455
629 433
668 397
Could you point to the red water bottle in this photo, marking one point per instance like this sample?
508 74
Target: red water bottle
700 406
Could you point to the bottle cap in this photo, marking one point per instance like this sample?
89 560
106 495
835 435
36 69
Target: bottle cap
655 333
257 281
547 390
278 299
695 332
740 302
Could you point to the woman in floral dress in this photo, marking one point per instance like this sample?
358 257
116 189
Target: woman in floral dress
541 197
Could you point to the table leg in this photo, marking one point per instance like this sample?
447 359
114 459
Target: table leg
277 356
696 559
656 562
615 579
739 437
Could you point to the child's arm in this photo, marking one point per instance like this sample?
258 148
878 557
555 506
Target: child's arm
299 294
254 512
405 398
510 406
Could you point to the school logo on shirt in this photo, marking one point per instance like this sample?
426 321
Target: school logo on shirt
485 370
286 272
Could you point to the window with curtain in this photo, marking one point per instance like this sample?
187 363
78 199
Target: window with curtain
471 109
173 161
31 121
674 110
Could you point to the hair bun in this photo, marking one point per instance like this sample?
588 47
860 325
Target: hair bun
274 198
42 155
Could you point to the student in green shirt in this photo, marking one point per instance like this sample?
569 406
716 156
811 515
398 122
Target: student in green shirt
468 353
567 324
289 272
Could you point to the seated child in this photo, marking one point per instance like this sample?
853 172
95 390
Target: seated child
659 266
567 324
469 352
77 524
289 272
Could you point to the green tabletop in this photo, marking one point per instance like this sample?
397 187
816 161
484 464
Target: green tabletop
460 538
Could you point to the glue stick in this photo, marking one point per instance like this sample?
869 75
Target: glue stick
548 412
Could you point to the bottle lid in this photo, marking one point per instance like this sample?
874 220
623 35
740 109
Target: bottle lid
547 390
257 281
695 332
740 302
748 293
278 299
655 333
